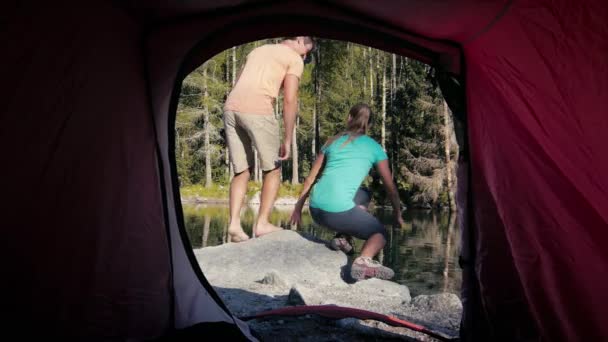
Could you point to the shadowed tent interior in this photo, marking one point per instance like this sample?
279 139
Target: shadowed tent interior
89 94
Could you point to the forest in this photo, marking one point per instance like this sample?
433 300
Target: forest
411 121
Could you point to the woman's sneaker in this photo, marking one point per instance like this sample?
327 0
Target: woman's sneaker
341 243
365 267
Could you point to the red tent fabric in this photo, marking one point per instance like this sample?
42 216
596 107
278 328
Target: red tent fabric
93 232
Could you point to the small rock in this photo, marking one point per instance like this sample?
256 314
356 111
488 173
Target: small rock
374 288
301 295
273 278
443 302
295 298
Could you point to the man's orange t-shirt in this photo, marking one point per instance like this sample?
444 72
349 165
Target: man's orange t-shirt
261 79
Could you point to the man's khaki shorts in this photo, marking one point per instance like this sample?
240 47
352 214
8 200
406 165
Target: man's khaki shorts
245 131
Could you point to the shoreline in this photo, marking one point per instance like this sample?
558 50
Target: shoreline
281 201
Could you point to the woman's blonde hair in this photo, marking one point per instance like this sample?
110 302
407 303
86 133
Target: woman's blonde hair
360 116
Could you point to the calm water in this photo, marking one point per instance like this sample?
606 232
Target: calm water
423 254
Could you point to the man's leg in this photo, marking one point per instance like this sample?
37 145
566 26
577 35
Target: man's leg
238 189
264 133
241 157
270 188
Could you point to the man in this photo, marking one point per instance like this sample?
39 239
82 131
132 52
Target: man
249 122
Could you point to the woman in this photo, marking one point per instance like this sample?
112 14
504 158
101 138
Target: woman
343 163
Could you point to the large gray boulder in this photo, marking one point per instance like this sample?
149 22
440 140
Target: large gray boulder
372 294
287 254
287 268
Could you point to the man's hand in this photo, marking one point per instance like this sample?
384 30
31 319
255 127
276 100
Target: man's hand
285 150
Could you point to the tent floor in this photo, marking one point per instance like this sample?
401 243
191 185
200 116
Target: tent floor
314 329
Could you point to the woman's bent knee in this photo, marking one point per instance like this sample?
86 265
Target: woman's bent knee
380 231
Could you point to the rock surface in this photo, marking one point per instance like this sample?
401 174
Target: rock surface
288 268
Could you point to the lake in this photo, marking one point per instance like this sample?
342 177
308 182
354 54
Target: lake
423 254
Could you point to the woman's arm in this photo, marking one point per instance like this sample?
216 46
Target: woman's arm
389 185
316 168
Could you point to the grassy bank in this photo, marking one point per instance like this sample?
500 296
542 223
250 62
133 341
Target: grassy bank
221 191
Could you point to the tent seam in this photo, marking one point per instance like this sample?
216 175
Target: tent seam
490 25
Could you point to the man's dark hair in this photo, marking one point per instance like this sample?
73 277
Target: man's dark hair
314 43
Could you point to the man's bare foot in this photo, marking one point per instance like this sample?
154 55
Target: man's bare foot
266 228
236 234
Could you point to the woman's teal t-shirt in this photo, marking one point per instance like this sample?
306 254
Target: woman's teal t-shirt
345 169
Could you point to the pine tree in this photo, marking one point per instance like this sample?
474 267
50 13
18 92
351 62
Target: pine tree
412 127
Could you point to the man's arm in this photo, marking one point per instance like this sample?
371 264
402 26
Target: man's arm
315 170
290 107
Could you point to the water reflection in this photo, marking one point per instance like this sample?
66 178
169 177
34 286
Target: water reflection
423 254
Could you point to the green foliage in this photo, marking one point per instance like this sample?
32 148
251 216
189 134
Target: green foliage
198 190
341 75
290 190
253 188
219 191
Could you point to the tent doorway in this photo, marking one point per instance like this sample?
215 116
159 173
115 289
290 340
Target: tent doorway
216 76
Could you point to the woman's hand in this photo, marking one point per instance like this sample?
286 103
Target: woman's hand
296 215
389 185
317 167
398 220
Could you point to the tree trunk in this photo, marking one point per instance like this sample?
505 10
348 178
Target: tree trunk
448 247
233 65
260 171
393 126
233 83
448 162
256 165
349 66
317 107
393 79
227 152
206 229
225 234
313 152
364 76
401 68
227 74
371 76
206 129
318 122
260 176
383 106
365 86
294 147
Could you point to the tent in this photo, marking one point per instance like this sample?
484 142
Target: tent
93 238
